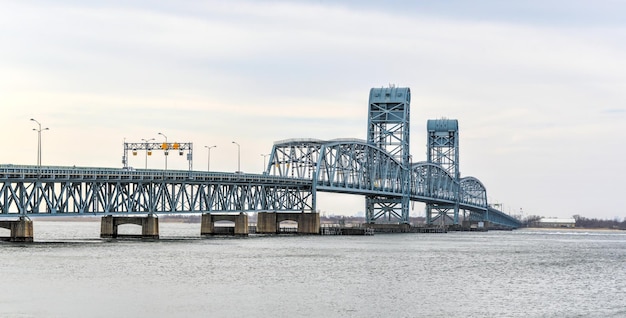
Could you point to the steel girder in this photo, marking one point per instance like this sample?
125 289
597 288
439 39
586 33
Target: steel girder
348 166
295 158
166 147
29 190
367 169
74 191
495 217
443 149
473 193
443 144
353 166
433 184
388 128
389 121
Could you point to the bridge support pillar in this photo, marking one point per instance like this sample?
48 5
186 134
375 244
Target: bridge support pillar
207 226
108 229
21 230
149 225
266 223
309 223
269 222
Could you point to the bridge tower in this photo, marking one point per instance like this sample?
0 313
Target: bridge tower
388 129
443 149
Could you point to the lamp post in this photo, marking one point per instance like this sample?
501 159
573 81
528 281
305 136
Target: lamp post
38 130
124 154
264 156
208 159
238 157
147 141
167 146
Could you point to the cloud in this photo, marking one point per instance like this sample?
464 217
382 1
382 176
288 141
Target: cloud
530 92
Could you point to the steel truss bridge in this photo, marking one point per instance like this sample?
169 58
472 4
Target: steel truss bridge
379 169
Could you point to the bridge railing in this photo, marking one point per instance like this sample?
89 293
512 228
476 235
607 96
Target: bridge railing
15 172
79 190
353 167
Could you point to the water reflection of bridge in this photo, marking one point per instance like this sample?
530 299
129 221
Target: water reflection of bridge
379 168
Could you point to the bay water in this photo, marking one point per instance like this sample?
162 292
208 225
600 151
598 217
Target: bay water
69 272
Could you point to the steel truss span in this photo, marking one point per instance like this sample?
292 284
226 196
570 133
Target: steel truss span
29 190
380 168
296 171
353 166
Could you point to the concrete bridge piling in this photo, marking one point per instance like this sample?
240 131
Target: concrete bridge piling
269 222
149 225
208 224
21 230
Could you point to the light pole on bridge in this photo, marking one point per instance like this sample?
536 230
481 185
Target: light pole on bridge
264 156
165 149
38 130
238 157
147 141
208 159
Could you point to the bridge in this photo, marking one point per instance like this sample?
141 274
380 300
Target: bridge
379 168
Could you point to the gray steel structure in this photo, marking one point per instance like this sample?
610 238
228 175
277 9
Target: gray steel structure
443 149
388 130
28 190
379 169
148 147
296 171
354 166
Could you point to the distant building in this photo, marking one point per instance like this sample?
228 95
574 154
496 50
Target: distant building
553 222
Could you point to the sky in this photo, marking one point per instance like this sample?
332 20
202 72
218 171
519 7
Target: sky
538 87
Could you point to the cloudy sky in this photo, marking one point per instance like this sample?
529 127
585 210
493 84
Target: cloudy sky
538 87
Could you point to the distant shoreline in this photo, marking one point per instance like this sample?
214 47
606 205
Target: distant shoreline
183 219
563 229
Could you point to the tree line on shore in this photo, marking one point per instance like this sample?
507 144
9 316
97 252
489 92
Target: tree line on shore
583 222
529 221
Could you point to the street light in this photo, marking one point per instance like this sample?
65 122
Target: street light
147 141
208 160
238 157
38 130
167 146
264 156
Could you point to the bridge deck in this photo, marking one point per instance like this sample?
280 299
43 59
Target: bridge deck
50 190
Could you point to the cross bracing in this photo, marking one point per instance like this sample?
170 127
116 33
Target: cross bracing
494 216
443 149
29 190
149 147
388 130
379 168
356 167
344 166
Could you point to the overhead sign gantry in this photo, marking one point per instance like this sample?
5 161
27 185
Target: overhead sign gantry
150 147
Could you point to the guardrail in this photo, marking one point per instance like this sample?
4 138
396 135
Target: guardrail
85 173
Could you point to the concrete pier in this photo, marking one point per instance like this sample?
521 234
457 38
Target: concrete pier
208 224
21 230
402 228
149 226
269 222
389 228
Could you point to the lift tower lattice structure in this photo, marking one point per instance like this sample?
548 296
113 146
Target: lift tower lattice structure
443 149
388 129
